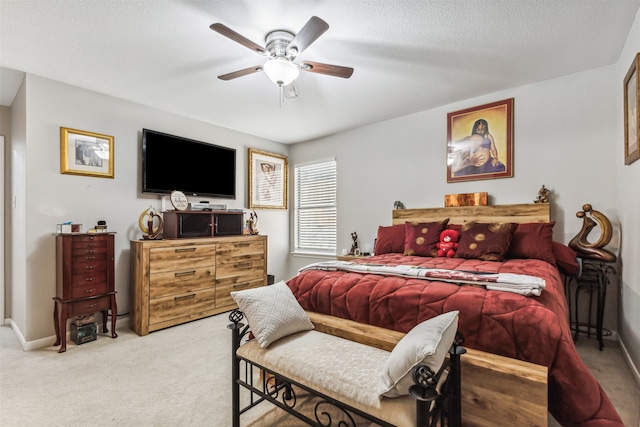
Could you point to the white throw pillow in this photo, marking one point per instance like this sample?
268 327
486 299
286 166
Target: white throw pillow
272 312
426 344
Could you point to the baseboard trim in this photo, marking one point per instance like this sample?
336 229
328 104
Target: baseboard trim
46 341
634 369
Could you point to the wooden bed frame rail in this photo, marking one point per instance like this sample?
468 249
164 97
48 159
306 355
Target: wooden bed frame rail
496 390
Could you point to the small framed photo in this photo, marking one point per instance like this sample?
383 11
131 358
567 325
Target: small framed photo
632 112
480 142
268 180
86 153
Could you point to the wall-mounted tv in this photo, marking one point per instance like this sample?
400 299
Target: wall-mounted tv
194 167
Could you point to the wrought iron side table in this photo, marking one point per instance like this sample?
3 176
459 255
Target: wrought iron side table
592 277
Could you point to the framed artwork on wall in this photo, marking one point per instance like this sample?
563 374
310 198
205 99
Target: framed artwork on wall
480 142
268 180
86 153
632 112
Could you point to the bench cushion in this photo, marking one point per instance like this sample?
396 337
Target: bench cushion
344 370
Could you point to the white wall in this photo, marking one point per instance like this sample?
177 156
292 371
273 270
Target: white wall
48 197
628 198
564 137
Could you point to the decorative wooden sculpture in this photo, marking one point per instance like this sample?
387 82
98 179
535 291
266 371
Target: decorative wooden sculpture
253 223
148 228
581 244
543 195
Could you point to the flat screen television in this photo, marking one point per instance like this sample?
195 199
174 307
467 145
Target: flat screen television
194 167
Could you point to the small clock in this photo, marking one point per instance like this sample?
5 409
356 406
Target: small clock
179 200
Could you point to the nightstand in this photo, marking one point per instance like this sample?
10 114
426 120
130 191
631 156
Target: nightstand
592 278
351 257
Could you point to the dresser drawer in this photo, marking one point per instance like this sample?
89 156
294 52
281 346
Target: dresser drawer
181 257
187 304
181 281
89 306
83 290
83 242
240 268
89 267
223 290
238 251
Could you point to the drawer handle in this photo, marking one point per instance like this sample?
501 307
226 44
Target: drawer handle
89 267
89 279
185 273
90 291
91 305
185 249
90 257
90 251
242 265
184 297
242 245
240 285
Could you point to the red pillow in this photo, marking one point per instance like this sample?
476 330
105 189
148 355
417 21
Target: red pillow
488 242
533 240
390 240
420 238
565 258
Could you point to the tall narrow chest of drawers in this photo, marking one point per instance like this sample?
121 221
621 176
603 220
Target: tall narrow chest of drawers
84 280
178 280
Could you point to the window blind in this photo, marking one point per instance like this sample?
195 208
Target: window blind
316 207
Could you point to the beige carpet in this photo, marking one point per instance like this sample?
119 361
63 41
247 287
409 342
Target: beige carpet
179 377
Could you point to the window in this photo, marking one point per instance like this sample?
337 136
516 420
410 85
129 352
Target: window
315 207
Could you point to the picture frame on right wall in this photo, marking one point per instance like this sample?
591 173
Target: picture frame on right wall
632 112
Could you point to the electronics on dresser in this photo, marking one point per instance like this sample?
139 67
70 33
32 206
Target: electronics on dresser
189 224
195 168
206 206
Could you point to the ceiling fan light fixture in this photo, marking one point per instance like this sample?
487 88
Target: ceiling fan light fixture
281 71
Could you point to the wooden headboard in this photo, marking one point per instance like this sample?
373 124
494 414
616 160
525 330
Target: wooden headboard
520 213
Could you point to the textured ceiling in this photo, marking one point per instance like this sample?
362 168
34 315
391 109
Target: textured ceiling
408 56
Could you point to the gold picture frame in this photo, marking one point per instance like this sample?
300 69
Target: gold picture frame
632 112
268 180
86 153
480 142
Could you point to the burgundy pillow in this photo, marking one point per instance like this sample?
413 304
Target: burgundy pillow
485 241
533 240
390 240
565 258
420 238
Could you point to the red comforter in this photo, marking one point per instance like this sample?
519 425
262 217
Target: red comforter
535 329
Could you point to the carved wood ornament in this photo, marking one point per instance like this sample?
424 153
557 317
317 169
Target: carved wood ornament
581 244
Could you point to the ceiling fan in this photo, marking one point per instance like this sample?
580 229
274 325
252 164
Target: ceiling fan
281 49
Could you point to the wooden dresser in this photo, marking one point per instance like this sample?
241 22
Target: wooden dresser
178 280
84 280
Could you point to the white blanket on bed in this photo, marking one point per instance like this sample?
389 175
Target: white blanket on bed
508 282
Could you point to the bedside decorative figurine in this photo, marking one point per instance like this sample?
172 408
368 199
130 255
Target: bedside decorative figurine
354 244
253 223
581 244
543 195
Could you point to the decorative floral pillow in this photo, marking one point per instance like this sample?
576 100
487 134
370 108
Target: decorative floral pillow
420 238
485 241
390 239
533 240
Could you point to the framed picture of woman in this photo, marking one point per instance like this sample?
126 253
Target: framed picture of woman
632 112
268 175
480 142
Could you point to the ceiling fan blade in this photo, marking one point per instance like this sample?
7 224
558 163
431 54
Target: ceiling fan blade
313 29
229 33
331 70
241 73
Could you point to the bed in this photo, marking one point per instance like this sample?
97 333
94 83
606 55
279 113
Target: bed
504 321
